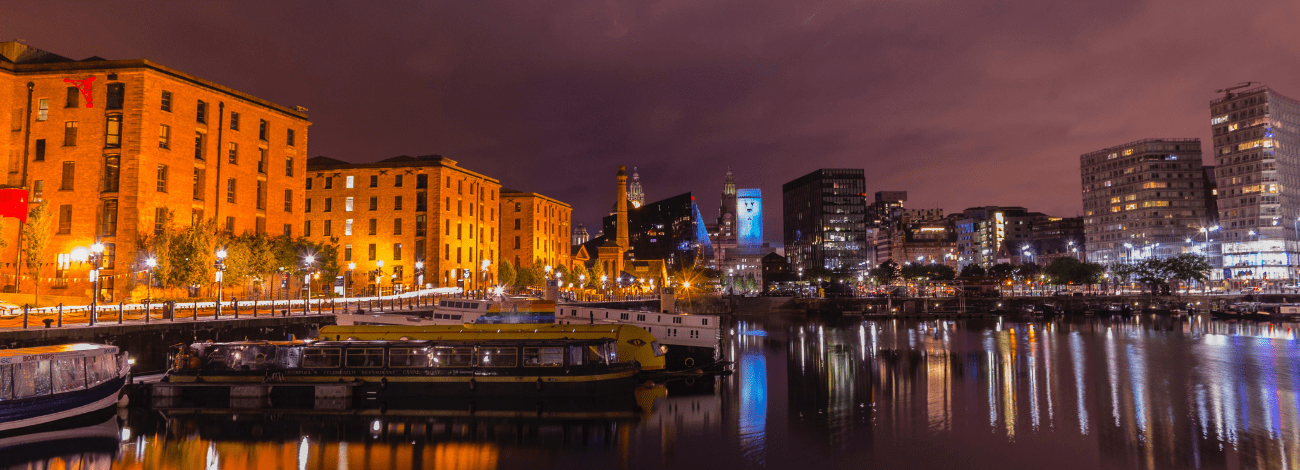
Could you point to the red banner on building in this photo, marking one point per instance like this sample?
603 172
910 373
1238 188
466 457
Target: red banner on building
13 203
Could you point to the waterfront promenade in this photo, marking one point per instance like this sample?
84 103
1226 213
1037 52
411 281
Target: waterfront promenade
79 316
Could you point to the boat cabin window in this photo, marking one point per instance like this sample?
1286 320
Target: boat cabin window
595 354
366 357
6 382
94 371
498 357
410 357
32 379
453 357
320 358
69 374
576 355
544 357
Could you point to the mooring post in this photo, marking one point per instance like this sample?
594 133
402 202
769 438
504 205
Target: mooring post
121 305
24 316
60 314
235 305
146 310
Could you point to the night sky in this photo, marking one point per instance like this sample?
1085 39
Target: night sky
960 103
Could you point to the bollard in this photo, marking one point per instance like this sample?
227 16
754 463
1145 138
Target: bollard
146 311
24 316
60 314
196 310
319 306
331 306
120 306
254 308
235 305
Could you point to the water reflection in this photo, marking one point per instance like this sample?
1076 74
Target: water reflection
1142 392
1175 394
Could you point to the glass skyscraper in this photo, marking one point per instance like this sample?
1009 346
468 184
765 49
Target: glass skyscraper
824 215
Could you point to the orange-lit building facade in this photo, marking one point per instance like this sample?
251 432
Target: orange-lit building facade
535 228
111 144
403 211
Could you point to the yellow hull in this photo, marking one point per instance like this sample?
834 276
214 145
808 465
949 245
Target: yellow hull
634 343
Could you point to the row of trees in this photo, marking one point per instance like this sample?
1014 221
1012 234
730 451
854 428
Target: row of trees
186 256
1061 271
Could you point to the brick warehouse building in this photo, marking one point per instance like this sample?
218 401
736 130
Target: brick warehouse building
535 227
402 211
127 141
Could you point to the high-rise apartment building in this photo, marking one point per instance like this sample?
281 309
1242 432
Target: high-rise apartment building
419 216
113 145
1143 199
535 228
990 235
824 220
1257 156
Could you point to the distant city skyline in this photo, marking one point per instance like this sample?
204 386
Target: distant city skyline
550 97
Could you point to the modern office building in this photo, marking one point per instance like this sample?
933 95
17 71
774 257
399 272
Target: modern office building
990 235
825 221
1257 157
535 228
1143 199
113 145
886 208
671 230
418 216
1058 237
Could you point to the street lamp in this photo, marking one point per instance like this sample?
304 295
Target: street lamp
151 263
306 279
221 269
96 260
347 283
419 275
484 267
379 280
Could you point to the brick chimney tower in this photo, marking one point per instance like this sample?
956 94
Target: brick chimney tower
620 217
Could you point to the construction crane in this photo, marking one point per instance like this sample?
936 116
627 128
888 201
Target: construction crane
1228 91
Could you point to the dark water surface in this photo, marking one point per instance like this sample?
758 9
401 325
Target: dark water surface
1141 392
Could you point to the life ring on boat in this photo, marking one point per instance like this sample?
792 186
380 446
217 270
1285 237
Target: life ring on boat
539 384
690 361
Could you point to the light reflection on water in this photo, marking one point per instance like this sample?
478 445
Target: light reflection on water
1144 392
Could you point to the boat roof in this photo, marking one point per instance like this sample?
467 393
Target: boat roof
459 343
45 353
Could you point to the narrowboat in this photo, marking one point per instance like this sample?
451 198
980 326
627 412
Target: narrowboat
634 343
49 384
406 368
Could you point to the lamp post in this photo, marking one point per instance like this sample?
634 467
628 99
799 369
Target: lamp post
582 282
306 279
465 280
419 275
379 280
484 267
96 260
151 263
221 270
347 283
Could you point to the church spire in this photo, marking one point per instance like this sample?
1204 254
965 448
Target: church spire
635 195
729 185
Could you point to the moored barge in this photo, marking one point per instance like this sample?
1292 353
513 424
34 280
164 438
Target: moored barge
409 368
